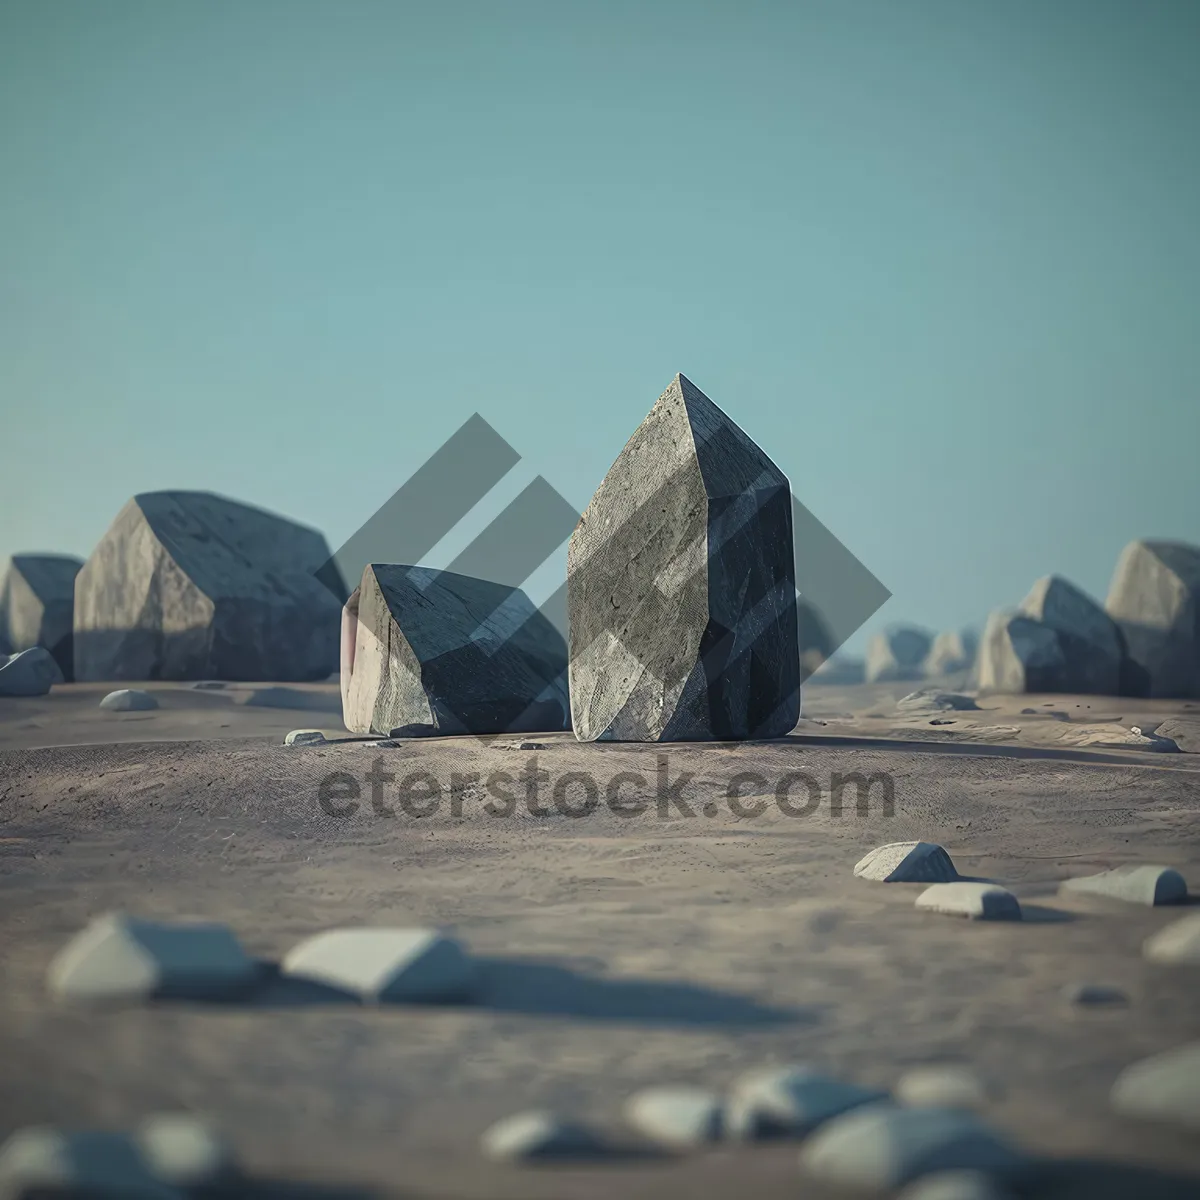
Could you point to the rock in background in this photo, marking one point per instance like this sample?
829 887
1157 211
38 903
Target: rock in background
37 603
1155 600
433 652
681 590
952 653
898 654
190 585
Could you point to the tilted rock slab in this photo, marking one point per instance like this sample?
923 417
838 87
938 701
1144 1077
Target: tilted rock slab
189 585
1136 884
681 586
37 605
28 673
897 654
907 862
1155 599
433 652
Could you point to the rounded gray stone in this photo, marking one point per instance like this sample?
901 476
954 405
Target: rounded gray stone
538 1135
941 1085
1165 1088
129 700
956 1185
385 965
1178 942
978 901
185 1150
677 1116
44 1161
123 959
882 1147
907 862
1094 995
791 1101
31 672
1136 884
304 737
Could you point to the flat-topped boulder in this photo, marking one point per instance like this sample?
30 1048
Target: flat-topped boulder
681 586
1135 883
898 653
37 605
977 901
190 585
437 653
1154 598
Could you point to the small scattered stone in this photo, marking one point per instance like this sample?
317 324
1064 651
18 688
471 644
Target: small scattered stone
955 1185
929 700
31 672
122 959
531 746
129 700
1096 995
677 1116
538 1135
776 1102
1165 1087
884 1147
941 1085
385 965
43 1161
907 862
979 901
1178 942
185 1151
304 737
1150 885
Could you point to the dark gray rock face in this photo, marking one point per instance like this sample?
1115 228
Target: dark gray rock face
1060 640
37 604
1155 599
898 654
30 672
189 585
433 652
681 590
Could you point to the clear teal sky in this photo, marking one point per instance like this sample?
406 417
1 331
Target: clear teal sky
940 258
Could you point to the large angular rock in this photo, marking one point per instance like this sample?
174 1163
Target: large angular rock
1155 599
37 605
681 589
897 654
952 652
434 652
189 585
28 673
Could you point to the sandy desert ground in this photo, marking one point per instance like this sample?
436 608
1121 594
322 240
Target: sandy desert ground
619 951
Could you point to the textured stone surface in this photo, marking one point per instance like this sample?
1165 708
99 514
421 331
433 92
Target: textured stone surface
956 1185
930 700
385 966
678 1116
907 862
91 1164
1155 599
185 1151
28 673
1137 884
305 737
1018 654
952 652
129 700
433 652
898 654
941 1085
777 1102
979 901
122 959
37 605
1165 1087
681 586
1178 942
536 1136
1183 731
189 585
882 1146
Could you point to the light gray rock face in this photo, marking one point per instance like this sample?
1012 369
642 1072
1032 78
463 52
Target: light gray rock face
43 1161
1183 731
789 1102
1155 599
898 654
1163 1088
1178 942
185 1151
538 1136
951 653
941 1085
37 605
129 700
385 966
1136 884
681 590
883 1147
305 737
978 901
930 700
907 862
189 585
677 1116
120 959
436 653
29 673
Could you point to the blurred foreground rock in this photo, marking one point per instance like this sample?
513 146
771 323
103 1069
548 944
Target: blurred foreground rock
28 673
898 654
37 604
